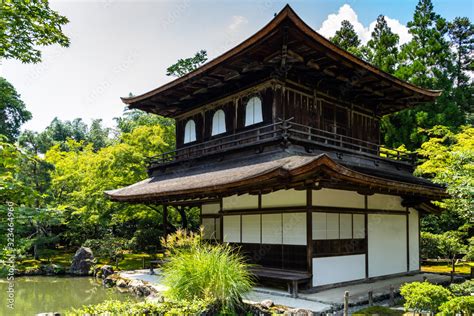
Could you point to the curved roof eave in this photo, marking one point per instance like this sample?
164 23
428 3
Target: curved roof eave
286 12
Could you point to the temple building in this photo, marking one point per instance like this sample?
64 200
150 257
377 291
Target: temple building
278 143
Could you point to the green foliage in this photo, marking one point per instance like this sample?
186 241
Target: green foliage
425 61
107 247
13 112
450 161
462 305
178 308
462 289
186 65
27 25
382 49
445 245
424 296
346 38
470 250
197 270
377 310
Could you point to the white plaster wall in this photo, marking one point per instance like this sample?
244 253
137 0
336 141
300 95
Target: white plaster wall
294 228
330 270
210 208
338 198
251 228
272 228
414 240
237 202
209 228
385 202
232 228
387 244
284 198
319 226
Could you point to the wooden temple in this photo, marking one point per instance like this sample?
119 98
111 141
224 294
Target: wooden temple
278 143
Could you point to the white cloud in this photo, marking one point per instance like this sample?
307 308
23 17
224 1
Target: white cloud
236 22
345 12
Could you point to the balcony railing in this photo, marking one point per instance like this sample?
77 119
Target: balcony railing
286 132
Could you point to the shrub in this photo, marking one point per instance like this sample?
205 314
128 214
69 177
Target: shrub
197 270
470 250
195 307
430 245
465 288
463 305
424 296
109 247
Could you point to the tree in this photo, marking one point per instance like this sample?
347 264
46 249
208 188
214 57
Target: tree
461 33
186 65
382 49
346 38
449 160
13 112
425 61
27 25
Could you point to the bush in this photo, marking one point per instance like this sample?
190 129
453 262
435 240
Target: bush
424 296
463 305
465 288
195 307
430 245
109 247
470 250
197 270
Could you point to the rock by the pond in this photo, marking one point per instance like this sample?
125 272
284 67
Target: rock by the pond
82 261
299 312
139 288
266 303
109 282
49 314
52 269
121 283
106 270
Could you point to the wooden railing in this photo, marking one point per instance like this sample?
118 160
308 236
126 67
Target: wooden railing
285 131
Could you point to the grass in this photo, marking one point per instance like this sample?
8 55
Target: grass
131 261
443 267
378 310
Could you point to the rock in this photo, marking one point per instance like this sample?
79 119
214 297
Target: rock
52 269
139 288
154 298
106 271
121 283
109 282
266 303
82 261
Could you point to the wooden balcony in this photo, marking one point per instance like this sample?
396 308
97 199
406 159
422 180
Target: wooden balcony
285 132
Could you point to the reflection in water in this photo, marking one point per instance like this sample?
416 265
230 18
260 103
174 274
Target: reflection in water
55 294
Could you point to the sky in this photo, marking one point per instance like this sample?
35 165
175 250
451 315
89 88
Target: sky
121 47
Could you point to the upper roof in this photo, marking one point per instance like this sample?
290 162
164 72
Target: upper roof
285 40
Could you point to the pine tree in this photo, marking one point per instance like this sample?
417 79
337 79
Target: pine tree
425 61
382 49
461 33
346 38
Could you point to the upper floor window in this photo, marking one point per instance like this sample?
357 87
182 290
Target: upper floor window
218 123
190 132
253 111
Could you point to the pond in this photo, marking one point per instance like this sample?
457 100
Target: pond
39 294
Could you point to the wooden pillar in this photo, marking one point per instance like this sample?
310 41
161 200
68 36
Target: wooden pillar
309 231
408 239
366 235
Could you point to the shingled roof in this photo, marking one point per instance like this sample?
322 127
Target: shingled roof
307 50
247 175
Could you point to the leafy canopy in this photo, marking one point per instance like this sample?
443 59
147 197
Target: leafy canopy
27 25
186 65
346 38
13 112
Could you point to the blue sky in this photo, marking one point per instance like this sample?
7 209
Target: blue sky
119 47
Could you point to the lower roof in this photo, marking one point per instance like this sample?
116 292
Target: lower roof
268 173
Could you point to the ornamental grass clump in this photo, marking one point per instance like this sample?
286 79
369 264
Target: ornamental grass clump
198 270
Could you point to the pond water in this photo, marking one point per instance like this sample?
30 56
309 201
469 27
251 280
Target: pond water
39 294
